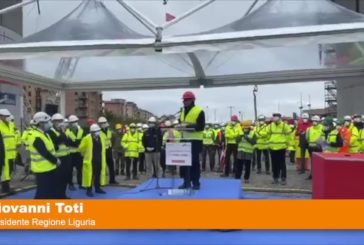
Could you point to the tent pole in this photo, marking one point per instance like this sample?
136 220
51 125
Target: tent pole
188 13
62 102
139 16
16 6
251 8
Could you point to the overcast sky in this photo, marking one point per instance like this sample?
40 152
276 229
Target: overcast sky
271 98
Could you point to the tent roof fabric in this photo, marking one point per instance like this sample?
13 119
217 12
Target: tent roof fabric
269 41
91 20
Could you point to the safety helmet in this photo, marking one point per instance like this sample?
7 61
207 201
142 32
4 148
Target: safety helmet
132 125
95 128
328 121
167 123
118 126
340 122
65 121
57 117
234 118
188 95
152 120
305 116
277 115
5 112
261 118
31 122
40 117
145 126
72 119
347 118
175 122
11 117
246 124
139 125
316 118
102 120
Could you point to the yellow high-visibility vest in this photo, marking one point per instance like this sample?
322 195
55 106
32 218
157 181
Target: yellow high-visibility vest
191 118
74 138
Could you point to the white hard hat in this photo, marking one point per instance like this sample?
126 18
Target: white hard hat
72 118
5 112
316 119
102 120
167 123
31 122
261 117
305 116
11 117
95 128
41 117
65 120
152 120
139 125
175 122
347 118
145 126
57 117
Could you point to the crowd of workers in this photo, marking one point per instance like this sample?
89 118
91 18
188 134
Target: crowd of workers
55 146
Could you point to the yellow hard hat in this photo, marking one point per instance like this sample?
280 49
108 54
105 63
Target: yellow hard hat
246 124
118 126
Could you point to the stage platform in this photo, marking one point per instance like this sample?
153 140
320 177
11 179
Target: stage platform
210 189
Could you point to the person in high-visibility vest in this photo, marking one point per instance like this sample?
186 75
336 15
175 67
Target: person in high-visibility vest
107 135
75 134
216 145
44 161
26 138
8 136
278 134
192 124
118 149
93 151
142 167
261 146
246 142
232 130
131 144
208 147
61 146
332 135
314 137
170 135
354 139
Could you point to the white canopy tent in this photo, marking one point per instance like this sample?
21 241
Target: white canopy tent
276 42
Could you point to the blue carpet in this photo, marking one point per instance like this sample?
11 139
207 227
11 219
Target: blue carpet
210 189
181 237
111 193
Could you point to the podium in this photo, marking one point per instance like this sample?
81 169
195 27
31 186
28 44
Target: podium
338 176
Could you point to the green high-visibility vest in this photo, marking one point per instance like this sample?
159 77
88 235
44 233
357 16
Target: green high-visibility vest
132 144
331 139
314 134
191 118
208 137
39 164
63 149
71 135
244 145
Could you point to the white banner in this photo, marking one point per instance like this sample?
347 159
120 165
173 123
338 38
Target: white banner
179 154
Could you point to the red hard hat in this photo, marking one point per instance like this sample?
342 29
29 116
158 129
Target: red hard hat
90 121
234 118
188 95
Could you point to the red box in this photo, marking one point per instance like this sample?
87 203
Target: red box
338 176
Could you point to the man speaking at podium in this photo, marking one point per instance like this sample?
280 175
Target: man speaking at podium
192 125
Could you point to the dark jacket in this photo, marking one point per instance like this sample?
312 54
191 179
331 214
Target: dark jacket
152 138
